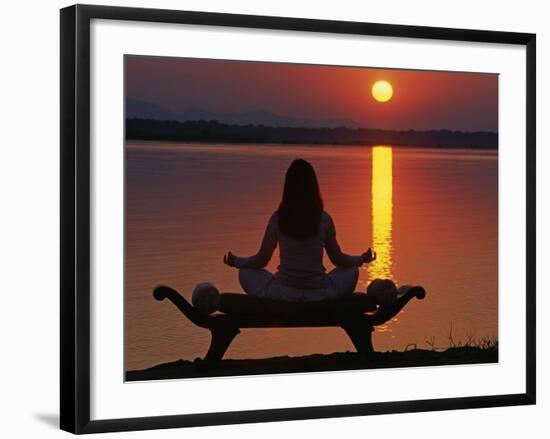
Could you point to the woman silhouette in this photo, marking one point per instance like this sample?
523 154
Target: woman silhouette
303 229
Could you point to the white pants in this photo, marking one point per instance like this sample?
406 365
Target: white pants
262 283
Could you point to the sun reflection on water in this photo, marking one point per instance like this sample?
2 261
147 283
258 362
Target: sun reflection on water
382 207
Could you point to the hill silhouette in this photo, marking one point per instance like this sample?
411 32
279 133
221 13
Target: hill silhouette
214 131
140 109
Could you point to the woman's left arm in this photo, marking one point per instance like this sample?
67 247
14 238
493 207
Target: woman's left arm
269 243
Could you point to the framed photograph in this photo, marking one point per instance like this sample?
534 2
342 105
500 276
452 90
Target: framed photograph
272 218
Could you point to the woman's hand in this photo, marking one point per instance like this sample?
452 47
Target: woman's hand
229 259
369 256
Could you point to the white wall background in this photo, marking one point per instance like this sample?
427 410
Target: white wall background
29 249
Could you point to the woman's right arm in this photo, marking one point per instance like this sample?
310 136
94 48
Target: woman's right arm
335 254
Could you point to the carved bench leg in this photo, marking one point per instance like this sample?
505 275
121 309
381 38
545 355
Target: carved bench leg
360 334
221 338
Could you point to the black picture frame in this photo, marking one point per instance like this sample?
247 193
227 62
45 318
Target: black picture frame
75 217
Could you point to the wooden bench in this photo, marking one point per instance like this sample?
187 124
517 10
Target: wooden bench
357 315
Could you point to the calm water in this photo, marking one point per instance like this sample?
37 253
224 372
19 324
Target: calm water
431 214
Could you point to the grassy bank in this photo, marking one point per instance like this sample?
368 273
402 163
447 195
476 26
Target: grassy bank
322 363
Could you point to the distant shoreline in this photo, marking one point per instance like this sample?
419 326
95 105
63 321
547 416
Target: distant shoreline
312 145
215 132
337 361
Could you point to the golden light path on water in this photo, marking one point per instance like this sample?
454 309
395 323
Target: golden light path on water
382 219
382 207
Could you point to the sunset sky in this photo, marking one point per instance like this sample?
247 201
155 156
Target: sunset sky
421 99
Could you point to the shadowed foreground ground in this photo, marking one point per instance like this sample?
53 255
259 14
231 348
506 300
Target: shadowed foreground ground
318 363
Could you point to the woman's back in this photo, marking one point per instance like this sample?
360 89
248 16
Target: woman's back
301 260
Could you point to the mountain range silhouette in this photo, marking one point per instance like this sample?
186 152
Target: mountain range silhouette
141 109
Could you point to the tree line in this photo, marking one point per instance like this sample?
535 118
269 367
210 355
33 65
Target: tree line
213 131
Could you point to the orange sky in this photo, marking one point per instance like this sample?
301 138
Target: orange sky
421 100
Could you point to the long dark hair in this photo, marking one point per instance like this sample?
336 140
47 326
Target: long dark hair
301 207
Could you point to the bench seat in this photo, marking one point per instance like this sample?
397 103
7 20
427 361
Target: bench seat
356 314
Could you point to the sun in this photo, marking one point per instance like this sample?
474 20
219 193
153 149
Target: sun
382 91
